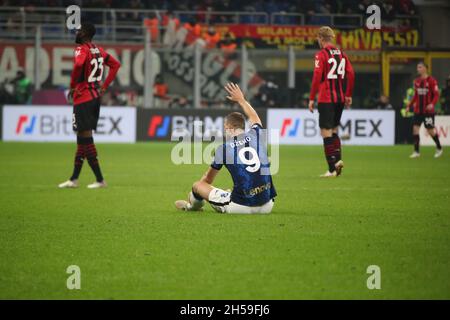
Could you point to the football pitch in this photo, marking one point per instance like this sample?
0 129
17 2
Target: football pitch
130 243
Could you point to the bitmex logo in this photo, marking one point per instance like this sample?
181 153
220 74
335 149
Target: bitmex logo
25 124
290 127
442 131
158 126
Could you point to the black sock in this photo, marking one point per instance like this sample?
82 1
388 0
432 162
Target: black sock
337 146
196 196
78 162
91 155
416 142
436 140
330 153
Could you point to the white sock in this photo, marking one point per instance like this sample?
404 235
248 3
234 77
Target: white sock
195 204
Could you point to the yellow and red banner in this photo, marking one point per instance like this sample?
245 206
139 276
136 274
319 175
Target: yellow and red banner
304 37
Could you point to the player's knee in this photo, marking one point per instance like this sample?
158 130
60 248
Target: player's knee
85 134
326 133
196 186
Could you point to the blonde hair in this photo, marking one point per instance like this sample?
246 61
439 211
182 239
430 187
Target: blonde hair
326 33
236 120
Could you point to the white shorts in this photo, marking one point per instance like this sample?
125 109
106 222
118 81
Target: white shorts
220 200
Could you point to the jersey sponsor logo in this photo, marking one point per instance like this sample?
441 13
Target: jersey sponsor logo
257 190
158 126
422 91
290 127
77 52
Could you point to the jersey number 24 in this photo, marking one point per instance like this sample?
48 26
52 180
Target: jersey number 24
332 74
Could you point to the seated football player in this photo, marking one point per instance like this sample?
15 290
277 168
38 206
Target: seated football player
245 156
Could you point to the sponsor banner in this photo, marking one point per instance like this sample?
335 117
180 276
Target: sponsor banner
442 124
358 127
173 125
43 123
304 37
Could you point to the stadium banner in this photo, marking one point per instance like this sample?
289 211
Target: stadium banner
442 124
174 124
176 63
54 124
56 62
358 127
305 37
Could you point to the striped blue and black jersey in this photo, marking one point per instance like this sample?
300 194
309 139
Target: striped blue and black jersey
246 158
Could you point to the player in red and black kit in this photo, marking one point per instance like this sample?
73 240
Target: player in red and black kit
85 90
333 79
426 95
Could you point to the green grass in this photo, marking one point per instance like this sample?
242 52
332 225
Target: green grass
130 242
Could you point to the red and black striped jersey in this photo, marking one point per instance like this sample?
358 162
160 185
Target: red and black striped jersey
426 92
88 67
332 70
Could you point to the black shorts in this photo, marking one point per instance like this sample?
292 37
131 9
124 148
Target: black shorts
427 119
330 115
85 115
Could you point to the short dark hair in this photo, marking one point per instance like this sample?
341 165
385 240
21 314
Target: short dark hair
424 64
235 120
88 29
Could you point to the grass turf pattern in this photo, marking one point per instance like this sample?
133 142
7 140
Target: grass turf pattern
131 243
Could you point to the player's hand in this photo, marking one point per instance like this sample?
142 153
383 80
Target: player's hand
348 102
70 95
102 91
430 107
311 106
235 93
73 92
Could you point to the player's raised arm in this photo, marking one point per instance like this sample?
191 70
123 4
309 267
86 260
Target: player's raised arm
236 95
